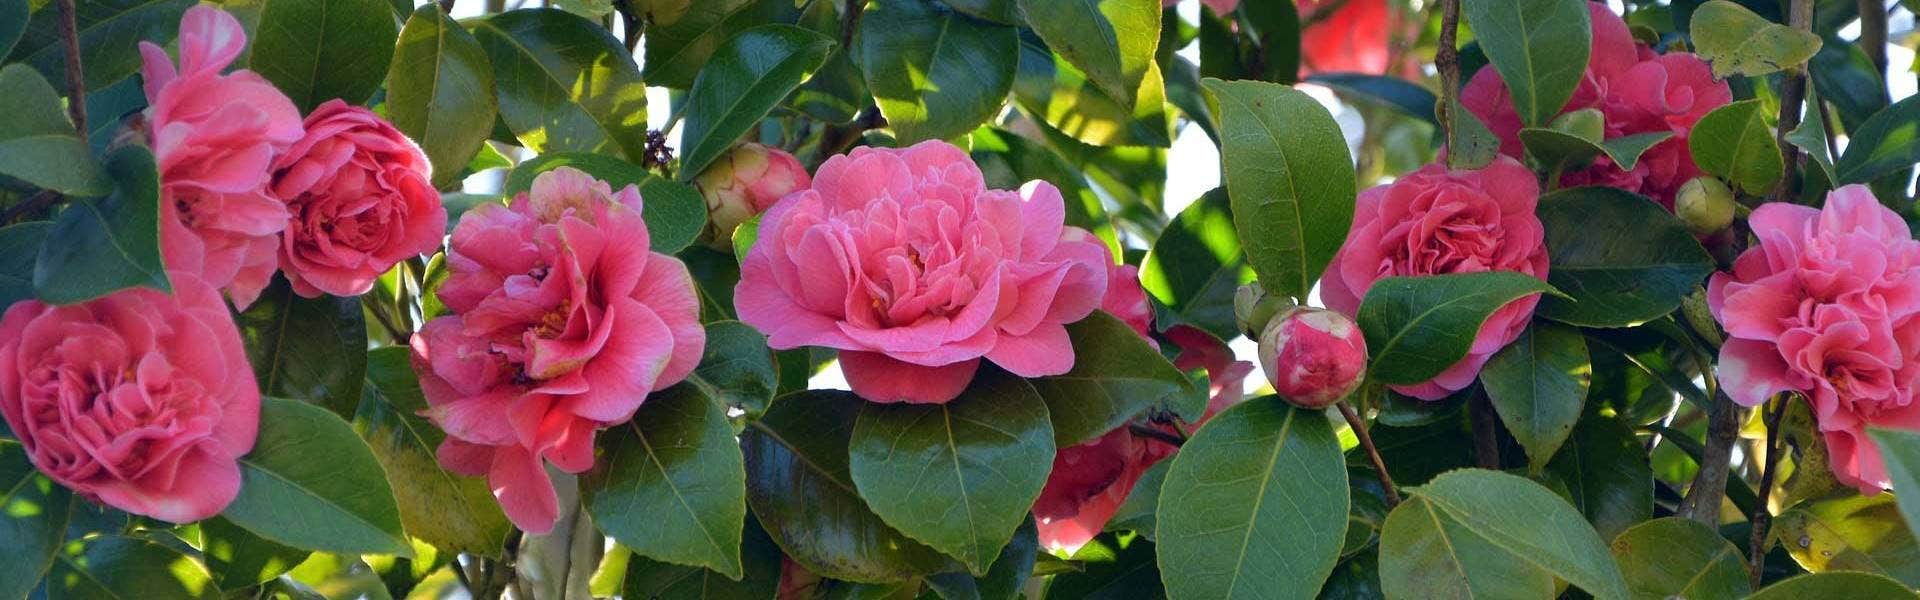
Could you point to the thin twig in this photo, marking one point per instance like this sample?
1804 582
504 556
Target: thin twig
1873 34
1373 454
32 204
1446 58
400 336
76 80
1702 502
630 22
1793 92
446 7
1826 120
1762 517
1157 435
850 23
460 573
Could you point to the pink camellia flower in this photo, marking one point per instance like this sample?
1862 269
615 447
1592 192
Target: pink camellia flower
1353 38
744 182
907 264
563 321
1825 305
1436 221
1637 91
361 199
139 399
216 137
1313 357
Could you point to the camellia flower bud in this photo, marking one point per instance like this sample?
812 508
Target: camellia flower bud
744 182
1253 307
1587 123
1313 356
1704 204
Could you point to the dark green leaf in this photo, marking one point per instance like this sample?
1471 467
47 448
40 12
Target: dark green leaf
1538 384
1001 11
19 247
13 22
1834 585
800 490
1900 451
311 349
112 567
736 369
675 50
1416 327
1115 376
1842 74
987 453
1737 42
239 559
1607 475
1471 145
1539 46
1850 533
33 521
1617 276
647 578
311 483
1476 533
674 211
1555 147
440 91
1003 582
319 50
1195 267
670 484
1734 143
1290 179
1888 142
101 245
746 77
452 512
37 141
1055 91
936 74
565 84
1406 96
1112 41
1137 512
1110 568
1675 557
110 33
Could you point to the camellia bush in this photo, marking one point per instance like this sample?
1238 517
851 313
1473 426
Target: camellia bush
792 299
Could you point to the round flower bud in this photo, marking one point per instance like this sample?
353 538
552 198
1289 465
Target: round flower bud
1587 124
744 182
1253 307
1705 205
1313 356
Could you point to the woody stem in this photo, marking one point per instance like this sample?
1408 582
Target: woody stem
1373 454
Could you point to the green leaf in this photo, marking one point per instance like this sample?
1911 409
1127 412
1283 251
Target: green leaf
1834 585
935 74
110 33
1606 474
1539 47
1900 451
114 567
1254 506
1004 581
311 349
1538 384
19 247
1138 511
1055 91
736 369
1108 567
451 512
761 563
1555 147
1009 160
1625 151
33 521
1850 533
239 559
1811 137
564 83
1416 327
1290 179
319 50
745 78
1679 558
999 11
102 245
1737 42
1616 276
675 50
1472 145
1885 144
38 144
674 211
1406 96
1112 41
1734 143
1477 533
13 22
440 91
1115 375
670 484
311 483
800 490
1195 267
958 476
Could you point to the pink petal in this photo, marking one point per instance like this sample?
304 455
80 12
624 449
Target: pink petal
877 378
521 485
1042 352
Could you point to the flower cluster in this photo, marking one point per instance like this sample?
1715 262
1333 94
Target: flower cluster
1825 305
1636 91
563 321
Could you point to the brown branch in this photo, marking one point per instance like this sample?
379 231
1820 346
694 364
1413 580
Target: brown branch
76 81
446 7
1793 93
1446 58
1762 518
631 24
1157 435
1702 502
850 23
1873 34
1373 453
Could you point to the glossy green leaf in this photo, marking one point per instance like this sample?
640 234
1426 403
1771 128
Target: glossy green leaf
1834 585
311 349
674 211
1737 42
1004 581
239 559
110 33
440 91
669 484
1887 143
319 50
1538 384
1842 74
1475 533
760 563
1115 375
112 567
1812 137
935 74
33 521
1734 143
311 483
675 50
1555 147
1470 145
1900 451
1110 567
1540 48
1416 327
19 248
800 490
1406 96
1850 533
564 83
101 245
1617 276
1254 506
986 454
451 512
1195 267
1606 473
1676 557
1138 512
38 144
1055 91
737 369
1290 179
746 77
1000 11
1112 41
13 23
